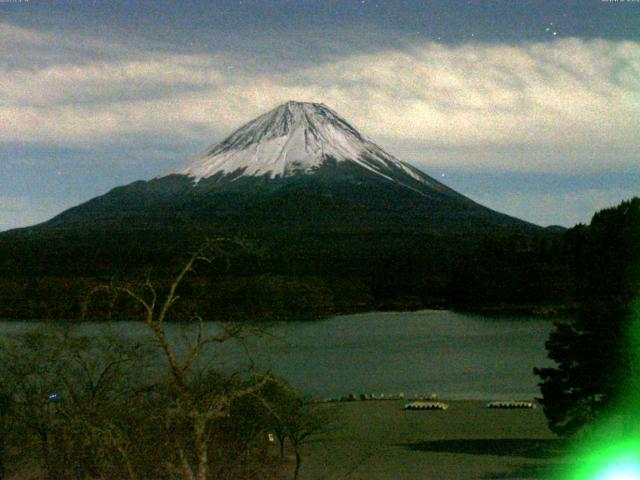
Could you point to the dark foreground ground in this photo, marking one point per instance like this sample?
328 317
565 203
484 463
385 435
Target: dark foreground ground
379 440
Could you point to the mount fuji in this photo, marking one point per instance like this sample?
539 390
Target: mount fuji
302 138
298 138
300 182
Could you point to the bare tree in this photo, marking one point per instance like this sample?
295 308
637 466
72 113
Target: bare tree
58 389
6 410
303 423
102 406
293 419
201 407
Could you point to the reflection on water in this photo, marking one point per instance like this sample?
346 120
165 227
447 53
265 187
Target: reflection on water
455 355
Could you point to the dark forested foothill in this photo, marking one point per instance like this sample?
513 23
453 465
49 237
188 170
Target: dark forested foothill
597 351
514 274
297 275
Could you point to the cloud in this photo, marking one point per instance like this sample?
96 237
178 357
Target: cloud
567 97
36 48
554 208
568 91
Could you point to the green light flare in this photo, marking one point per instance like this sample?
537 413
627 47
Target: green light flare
623 471
629 406
611 451
617 461
632 400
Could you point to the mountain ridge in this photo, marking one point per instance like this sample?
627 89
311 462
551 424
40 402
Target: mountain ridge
346 179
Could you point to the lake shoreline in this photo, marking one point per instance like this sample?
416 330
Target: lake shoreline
490 310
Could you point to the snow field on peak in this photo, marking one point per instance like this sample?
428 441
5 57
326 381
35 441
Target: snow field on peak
293 138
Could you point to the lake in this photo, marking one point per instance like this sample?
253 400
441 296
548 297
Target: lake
457 356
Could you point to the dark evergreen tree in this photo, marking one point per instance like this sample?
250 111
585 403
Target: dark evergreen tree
593 360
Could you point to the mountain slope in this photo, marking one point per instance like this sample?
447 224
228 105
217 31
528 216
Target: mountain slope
302 184
297 158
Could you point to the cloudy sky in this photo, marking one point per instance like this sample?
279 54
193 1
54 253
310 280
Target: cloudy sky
530 107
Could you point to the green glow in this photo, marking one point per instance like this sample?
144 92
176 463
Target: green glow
605 461
611 451
621 471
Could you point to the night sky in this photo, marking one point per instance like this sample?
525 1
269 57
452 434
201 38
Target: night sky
529 107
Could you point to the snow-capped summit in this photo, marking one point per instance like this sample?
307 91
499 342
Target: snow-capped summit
296 137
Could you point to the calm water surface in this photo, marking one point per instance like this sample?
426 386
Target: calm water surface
452 354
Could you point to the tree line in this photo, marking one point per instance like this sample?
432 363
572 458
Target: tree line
597 351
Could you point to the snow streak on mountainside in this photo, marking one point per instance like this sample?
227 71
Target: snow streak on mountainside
295 138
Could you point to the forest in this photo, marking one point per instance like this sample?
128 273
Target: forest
541 274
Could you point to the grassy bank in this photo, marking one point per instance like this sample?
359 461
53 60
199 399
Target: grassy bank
379 440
